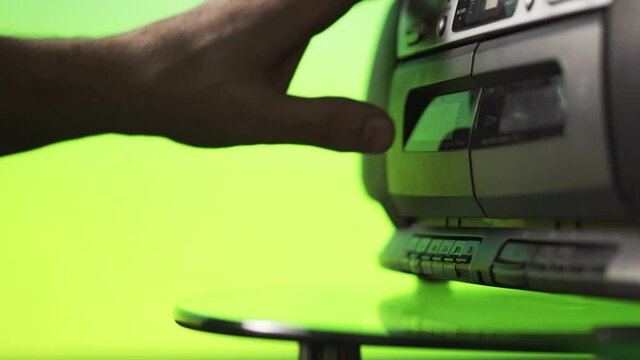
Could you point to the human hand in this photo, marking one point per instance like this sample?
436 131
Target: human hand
217 76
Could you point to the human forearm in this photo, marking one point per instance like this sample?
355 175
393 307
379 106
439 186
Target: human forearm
55 90
215 76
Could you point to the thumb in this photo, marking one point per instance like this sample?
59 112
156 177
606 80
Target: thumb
333 123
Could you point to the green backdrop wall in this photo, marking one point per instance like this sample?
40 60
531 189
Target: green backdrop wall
100 237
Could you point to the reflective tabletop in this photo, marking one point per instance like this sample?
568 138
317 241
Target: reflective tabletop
433 315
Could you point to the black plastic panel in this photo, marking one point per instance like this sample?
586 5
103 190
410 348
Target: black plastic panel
623 57
512 113
430 184
561 170
566 261
553 266
474 13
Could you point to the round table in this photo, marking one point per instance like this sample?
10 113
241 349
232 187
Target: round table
334 323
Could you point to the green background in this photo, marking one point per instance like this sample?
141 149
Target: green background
99 238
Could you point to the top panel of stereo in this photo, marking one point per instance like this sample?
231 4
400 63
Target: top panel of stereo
430 24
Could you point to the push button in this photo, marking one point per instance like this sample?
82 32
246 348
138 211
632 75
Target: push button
425 266
464 271
468 251
414 264
434 246
509 275
443 250
437 269
552 267
517 253
544 257
444 258
423 245
594 259
450 270
563 256
456 250
412 244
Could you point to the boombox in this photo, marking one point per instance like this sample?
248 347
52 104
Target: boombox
516 161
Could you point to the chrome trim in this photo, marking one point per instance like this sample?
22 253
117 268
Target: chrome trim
425 15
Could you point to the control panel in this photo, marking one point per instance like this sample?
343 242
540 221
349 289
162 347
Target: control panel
558 262
540 266
427 24
439 257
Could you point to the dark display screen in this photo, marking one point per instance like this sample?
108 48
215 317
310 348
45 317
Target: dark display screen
522 111
439 123
472 13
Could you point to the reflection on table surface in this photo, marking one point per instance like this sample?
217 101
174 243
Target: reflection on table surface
444 307
428 314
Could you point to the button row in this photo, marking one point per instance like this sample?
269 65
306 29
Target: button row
439 257
552 267
563 257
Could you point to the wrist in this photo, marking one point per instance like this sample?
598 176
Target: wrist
106 83
78 87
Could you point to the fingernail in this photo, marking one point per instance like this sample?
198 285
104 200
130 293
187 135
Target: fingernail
378 134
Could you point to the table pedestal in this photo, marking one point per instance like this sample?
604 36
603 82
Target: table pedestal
328 351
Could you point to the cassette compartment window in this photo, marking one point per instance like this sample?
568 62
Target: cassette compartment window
439 123
528 110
